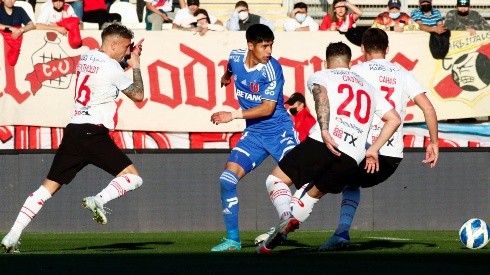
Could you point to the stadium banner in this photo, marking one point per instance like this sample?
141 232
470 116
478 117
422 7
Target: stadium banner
416 135
182 72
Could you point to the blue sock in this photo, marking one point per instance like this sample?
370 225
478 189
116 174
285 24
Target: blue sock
229 202
350 201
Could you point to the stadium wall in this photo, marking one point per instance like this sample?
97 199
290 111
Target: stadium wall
181 193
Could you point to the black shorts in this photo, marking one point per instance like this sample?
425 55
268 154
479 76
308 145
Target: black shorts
312 161
84 144
387 166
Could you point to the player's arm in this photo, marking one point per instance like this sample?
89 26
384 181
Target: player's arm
226 78
322 107
392 122
135 91
265 109
432 151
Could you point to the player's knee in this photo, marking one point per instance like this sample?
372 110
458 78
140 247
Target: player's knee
134 181
228 180
271 181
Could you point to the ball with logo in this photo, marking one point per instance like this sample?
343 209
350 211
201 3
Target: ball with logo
474 233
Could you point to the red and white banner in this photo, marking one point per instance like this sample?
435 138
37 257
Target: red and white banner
181 72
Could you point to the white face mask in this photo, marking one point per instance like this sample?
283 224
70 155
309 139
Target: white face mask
394 15
243 15
300 17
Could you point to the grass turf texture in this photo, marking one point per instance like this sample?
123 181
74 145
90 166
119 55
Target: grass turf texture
370 252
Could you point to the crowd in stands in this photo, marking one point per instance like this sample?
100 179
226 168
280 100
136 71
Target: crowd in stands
342 16
188 15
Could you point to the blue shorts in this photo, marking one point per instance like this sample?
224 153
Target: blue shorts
254 147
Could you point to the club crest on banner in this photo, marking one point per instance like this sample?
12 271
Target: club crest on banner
464 74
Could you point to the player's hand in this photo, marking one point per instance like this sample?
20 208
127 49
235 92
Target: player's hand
372 161
431 154
330 143
134 61
138 48
225 81
221 117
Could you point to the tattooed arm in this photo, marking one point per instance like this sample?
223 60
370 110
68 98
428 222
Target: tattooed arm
135 91
322 107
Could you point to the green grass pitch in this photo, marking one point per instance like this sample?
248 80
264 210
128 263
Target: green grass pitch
370 252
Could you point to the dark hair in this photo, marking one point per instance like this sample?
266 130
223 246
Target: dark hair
338 50
117 29
259 33
241 4
333 15
205 12
375 40
300 5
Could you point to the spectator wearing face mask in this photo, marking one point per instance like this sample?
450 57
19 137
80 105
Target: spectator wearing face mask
300 20
428 18
394 20
241 18
339 18
185 16
302 118
463 18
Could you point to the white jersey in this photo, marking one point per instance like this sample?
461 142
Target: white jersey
353 103
398 87
99 80
49 16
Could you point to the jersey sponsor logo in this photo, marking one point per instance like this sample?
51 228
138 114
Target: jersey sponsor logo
350 125
345 136
254 87
235 58
247 96
231 202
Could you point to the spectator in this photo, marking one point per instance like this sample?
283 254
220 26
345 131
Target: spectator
185 16
462 18
300 20
203 24
303 120
339 18
59 16
428 18
95 11
157 13
394 20
241 18
14 22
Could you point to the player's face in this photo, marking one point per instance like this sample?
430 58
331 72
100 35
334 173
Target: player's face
261 52
121 47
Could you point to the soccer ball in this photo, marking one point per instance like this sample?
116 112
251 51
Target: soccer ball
474 233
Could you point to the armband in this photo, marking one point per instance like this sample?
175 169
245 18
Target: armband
237 114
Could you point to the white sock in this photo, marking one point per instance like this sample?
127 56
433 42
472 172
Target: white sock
280 196
302 206
29 210
119 187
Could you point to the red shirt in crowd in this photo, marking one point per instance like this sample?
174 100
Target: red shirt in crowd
303 121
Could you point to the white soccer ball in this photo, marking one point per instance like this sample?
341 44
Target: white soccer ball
474 233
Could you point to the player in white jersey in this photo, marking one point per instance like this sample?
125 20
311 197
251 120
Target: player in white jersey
86 138
398 86
345 105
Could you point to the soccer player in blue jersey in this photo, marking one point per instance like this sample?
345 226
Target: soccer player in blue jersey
269 129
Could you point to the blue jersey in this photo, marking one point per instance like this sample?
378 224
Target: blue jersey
263 82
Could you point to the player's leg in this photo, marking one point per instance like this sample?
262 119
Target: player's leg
29 210
246 155
63 169
351 197
103 152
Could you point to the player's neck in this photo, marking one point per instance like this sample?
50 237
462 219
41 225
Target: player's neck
250 61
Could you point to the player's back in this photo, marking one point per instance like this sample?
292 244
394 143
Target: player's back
398 86
253 85
353 103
